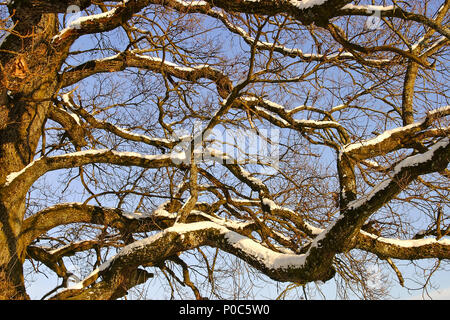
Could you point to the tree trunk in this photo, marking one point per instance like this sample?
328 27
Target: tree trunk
11 254
20 131
28 79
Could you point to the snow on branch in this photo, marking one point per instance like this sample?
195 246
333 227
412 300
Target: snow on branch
367 9
436 45
237 170
293 52
404 249
108 126
277 114
95 19
392 139
391 11
409 163
182 237
136 59
305 11
70 122
29 174
77 212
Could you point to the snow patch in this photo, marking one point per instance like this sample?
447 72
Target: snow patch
409 243
267 257
13 175
380 138
135 215
66 99
305 4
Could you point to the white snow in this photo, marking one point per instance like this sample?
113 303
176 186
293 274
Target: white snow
253 180
417 43
77 23
315 123
371 163
300 4
285 50
179 228
135 215
274 107
445 110
232 224
66 99
380 138
192 3
80 285
173 65
273 116
156 59
10 177
13 175
408 243
290 51
141 137
114 152
109 58
205 66
269 258
305 4
270 203
368 8
162 212
324 232
80 20
245 202
65 204
273 207
421 157
438 42
388 133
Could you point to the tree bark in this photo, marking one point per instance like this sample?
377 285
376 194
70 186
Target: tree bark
28 79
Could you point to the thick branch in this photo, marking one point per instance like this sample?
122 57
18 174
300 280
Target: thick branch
70 123
18 183
404 249
68 213
131 59
394 139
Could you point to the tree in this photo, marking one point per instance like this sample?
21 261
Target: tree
127 101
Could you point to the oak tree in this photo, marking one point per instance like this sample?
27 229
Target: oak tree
127 135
